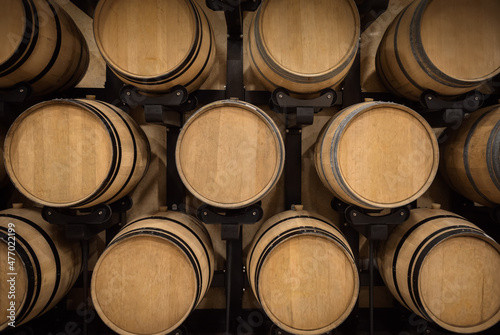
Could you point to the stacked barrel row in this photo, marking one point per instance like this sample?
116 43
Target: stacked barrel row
41 47
77 153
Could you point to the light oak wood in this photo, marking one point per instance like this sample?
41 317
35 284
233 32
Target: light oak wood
447 49
47 265
75 153
41 46
303 273
377 155
470 157
155 44
445 269
153 274
230 154
304 46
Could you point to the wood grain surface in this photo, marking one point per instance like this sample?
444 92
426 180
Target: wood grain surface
303 46
302 272
230 154
75 153
41 46
431 45
378 155
154 44
47 265
156 270
445 269
469 158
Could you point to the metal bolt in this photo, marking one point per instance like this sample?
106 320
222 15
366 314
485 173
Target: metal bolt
280 96
244 289
21 90
429 98
402 213
128 93
354 214
254 213
49 213
329 96
476 98
241 35
100 213
205 213
428 331
178 93
279 332
177 333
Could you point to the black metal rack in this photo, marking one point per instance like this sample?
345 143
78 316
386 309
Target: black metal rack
169 110
81 226
233 277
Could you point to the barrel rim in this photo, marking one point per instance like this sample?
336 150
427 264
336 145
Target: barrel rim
280 150
303 77
11 172
362 108
120 71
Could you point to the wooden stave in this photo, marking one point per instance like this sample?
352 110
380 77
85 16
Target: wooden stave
44 248
273 76
411 238
280 223
424 74
120 125
191 74
475 141
190 231
220 203
335 183
42 65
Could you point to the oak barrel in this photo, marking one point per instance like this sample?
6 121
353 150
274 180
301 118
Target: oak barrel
43 268
470 157
377 155
445 269
75 153
303 46
230 154
303 272
153 274
155 44
431 45
41 46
